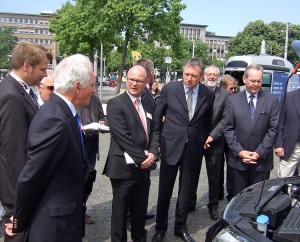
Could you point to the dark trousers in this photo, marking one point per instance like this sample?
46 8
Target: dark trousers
9 209
167 179
129 195
244 179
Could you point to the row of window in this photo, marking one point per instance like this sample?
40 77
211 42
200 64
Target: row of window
23 20
32 31
190 31
38 41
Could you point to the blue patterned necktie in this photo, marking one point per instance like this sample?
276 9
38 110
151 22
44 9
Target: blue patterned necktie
78 122
31 93
252 107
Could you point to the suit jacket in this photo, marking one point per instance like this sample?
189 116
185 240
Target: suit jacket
16 112
241 134
217 121
127 135
176 130
148 98
49 202
289 125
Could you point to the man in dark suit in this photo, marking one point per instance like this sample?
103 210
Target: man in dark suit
186 107
250 125
130 156
50 190
287 146
29 63
214 145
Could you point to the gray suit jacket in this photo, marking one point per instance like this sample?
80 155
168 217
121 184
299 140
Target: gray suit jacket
289 126
217 122
16 113
177 131
260 136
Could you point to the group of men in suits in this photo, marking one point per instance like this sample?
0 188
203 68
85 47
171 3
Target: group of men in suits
48 202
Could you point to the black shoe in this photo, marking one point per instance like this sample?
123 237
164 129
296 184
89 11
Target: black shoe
185 236
221 197
158 237
214 214
149 216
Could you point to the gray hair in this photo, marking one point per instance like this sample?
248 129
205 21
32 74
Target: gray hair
212 67
70 70
146 63
253 67
194 62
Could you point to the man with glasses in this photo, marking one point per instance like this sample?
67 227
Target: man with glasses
214 145
45 88
250 125
130 156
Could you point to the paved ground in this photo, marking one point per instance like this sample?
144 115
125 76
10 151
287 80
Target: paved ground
99 204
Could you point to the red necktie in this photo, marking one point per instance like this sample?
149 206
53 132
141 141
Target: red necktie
137 106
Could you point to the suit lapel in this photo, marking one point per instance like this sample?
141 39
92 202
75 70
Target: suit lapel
132 109
26 96
200 99
181 96
259 105
245 105
217 94
71 119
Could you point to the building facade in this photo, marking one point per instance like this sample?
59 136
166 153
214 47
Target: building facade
218 45
32 28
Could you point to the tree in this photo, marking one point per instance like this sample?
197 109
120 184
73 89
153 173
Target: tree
82 27
249 40
7 42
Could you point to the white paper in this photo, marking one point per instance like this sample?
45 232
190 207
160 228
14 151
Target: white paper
128 159
96 126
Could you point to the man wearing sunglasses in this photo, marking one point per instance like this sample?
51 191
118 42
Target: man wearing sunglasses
46 88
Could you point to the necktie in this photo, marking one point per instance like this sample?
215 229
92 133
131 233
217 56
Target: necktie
34 97
31 93
77 118
252 108
189 102
137 106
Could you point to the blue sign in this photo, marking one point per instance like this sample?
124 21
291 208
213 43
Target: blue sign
279 84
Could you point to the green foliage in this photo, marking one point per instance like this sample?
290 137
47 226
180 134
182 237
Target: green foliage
249 40
7 42
82 27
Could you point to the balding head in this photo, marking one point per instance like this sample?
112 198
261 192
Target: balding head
136 80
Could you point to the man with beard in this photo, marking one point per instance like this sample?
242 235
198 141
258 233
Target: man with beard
214 145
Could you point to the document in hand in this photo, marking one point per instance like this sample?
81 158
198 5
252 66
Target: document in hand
96 126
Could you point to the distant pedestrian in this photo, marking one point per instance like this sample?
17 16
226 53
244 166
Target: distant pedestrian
45 88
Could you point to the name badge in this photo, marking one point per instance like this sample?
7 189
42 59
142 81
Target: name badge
149 115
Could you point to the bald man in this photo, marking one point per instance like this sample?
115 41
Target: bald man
46 88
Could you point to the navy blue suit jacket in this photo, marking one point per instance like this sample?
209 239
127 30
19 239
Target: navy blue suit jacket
260 136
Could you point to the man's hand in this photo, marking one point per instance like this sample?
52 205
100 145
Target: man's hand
208 141
279 152
148 162
249 157
8 228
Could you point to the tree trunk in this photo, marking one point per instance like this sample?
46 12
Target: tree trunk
123 58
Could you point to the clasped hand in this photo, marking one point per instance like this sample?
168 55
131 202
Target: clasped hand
249 157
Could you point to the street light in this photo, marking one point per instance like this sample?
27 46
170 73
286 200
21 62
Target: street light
286 46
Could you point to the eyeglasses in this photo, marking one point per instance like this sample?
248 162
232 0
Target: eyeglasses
135 80
259 82
232 88
50 88
212 74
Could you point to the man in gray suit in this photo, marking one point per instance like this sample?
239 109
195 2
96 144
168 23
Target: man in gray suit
214 145
288 140
29 63
250 125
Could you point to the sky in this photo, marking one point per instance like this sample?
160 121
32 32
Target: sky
225 18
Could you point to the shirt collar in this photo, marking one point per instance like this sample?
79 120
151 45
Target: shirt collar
195 90
133 98
249 94
70 105
18 79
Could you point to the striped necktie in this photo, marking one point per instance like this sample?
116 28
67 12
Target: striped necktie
252 107
31 93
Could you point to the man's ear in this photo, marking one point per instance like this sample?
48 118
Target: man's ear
77 86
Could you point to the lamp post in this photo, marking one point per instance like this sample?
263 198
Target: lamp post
101 71
286 46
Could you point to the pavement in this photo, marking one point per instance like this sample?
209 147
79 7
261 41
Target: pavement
99 203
